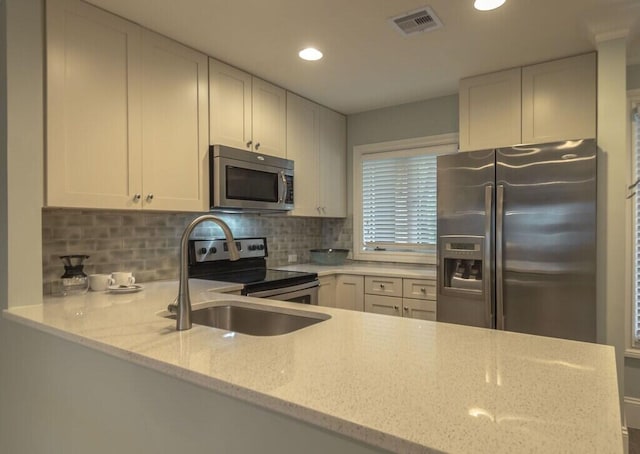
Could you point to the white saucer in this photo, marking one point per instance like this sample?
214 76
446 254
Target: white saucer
128 289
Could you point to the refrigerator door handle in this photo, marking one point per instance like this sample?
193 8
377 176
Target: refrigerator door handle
486 272
499 264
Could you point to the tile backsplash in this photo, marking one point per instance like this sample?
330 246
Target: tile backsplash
147 242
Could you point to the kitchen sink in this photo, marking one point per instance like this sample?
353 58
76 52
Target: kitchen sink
254 320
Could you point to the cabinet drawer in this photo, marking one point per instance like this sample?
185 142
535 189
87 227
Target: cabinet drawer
419 289
422 309
389 286
379 304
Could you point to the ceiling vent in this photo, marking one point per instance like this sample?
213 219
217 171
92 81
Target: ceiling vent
416 21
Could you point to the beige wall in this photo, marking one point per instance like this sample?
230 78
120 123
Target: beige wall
24 152
612 178
4 251
632 365
633 77
417 119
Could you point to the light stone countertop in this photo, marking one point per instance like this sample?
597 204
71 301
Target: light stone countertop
401 384
367 269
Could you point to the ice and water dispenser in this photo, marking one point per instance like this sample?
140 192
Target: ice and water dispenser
461 264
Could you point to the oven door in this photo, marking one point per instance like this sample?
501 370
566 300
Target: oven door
303 293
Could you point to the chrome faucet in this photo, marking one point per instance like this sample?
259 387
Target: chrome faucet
182 305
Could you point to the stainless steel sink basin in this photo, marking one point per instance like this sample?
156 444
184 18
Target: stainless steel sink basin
254 320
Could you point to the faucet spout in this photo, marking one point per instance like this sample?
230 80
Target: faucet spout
182 305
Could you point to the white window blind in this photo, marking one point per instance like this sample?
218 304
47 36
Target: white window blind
399 202
636 217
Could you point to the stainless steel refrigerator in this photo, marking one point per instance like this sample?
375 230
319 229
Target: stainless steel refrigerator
517 239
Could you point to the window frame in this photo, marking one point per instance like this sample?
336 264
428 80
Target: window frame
632 345
396 146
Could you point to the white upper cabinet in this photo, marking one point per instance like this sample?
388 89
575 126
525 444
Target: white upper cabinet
230 106
332 165
93 156
303 147
490 110
269 118
126 114
547 102
246 112
316 142
559 100
174 126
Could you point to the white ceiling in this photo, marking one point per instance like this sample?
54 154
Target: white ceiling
367 63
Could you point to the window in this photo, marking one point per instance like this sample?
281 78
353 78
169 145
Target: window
395 211
635 152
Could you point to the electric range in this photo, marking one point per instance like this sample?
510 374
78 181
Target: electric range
209 259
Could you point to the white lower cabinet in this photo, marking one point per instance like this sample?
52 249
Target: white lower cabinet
350 292
327 291
422 309
412 298
387 305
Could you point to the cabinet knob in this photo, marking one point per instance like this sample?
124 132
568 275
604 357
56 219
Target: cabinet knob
406 309
382 286
249 143
423 290
396 307
257 146
136 197
149 197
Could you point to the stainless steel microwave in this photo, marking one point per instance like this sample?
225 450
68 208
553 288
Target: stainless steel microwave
242 180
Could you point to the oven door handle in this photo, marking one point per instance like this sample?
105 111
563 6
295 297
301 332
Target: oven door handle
282 290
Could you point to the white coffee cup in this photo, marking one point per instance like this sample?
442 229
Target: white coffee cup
123 278
100 282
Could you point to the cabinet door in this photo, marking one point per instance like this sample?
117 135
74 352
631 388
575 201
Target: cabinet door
490 110
327 291
230 106
419 289
559 100
387 305
422 309
389 286
174 126
350 292
93 108
332 160
269 118
303 123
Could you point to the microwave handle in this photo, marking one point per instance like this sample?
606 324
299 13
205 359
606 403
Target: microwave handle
283 194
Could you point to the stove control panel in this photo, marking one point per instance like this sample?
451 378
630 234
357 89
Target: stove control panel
218 249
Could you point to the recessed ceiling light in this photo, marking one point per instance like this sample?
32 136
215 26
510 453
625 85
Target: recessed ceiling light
310 53
487 5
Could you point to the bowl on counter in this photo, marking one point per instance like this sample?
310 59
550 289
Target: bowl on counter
328 256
